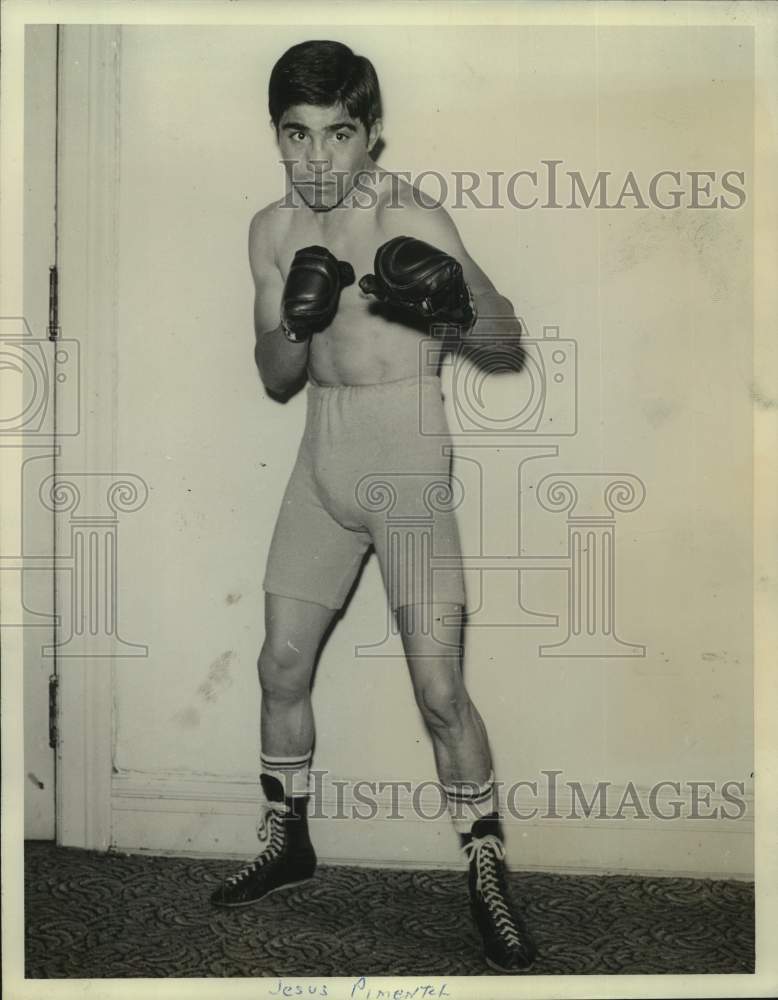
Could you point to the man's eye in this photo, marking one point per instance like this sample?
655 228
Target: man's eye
297 136
341 136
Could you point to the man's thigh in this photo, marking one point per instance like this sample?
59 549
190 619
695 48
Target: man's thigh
312 557
421 565
294 630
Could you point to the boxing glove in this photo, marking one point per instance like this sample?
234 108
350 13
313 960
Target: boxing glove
312 292
413 275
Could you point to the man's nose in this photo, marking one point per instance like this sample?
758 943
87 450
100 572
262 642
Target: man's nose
318 160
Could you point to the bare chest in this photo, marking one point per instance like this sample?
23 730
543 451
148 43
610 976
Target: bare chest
352 235
361 345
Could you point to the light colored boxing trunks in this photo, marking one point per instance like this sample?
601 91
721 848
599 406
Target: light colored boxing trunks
366 475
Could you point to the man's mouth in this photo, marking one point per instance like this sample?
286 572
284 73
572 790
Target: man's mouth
321 194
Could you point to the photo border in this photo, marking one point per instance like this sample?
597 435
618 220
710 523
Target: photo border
764 18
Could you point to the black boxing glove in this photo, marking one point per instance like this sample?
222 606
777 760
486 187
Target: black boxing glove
312 292
413 275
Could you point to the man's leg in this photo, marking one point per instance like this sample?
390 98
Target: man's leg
463 759
294 631
434 659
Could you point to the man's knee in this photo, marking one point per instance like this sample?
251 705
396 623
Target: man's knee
283 668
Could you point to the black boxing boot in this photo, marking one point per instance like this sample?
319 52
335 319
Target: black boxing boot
508 946
287 858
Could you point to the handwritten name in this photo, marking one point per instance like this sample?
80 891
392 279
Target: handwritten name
361 989
295 990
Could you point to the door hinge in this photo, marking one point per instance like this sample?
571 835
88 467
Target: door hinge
53 327
53 711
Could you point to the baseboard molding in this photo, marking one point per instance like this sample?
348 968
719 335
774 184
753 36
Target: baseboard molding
458 865
203 816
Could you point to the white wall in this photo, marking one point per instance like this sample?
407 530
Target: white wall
659 304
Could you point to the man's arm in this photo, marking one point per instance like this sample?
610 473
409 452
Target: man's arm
496 326
281 363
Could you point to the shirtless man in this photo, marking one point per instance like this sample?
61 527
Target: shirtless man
358 344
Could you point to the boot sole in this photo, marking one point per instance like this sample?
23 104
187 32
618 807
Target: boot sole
253 902
506 971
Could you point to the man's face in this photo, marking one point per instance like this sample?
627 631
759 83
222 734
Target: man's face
323 150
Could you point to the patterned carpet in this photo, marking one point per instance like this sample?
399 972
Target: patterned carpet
94 915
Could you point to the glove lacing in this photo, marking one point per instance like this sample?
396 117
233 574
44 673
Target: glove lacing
270 830
487 851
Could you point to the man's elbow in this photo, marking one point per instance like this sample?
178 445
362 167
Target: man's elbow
277 384
274 385
497 341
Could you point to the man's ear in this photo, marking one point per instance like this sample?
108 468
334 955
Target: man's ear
374 134
272 125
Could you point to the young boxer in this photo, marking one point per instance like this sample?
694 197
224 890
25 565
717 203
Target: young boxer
357 343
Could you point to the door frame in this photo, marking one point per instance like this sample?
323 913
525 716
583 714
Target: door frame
89 124
37 444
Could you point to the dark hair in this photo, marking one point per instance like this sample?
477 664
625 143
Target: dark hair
325 73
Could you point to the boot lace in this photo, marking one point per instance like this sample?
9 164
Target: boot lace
271 832
487 851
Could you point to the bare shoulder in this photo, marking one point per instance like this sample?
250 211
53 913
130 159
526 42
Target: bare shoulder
405 210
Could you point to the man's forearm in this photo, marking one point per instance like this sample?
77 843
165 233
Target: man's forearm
281 363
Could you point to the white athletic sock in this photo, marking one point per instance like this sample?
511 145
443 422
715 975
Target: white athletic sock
468 801
292 772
